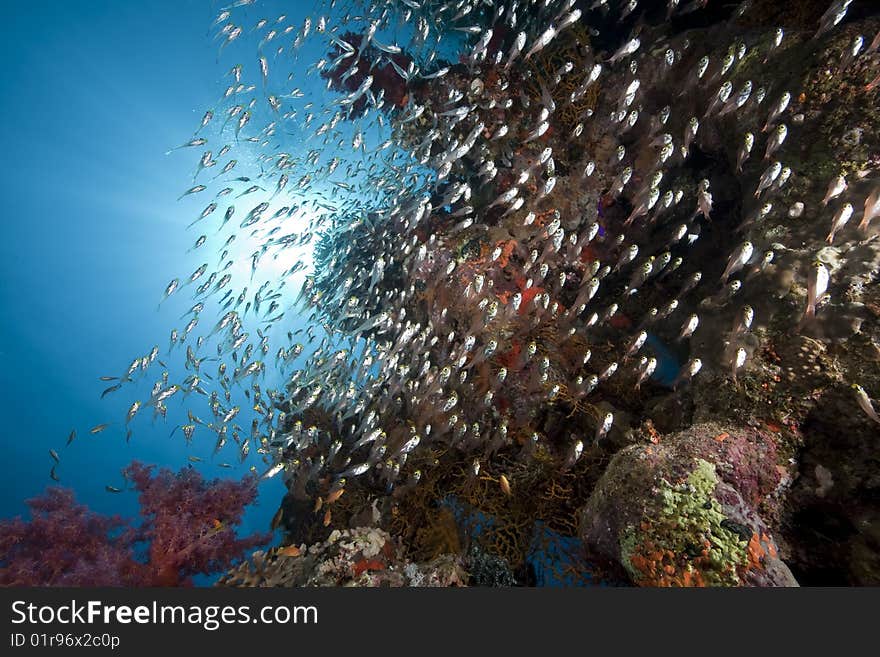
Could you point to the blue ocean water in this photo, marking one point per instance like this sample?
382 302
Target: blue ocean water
95 95
99 93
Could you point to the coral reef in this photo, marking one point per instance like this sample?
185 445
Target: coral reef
524 404
488 570
66 544
384 77
364 556
188 525
607 305
191 523
683 512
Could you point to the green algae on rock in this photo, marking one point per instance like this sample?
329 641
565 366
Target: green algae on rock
682 512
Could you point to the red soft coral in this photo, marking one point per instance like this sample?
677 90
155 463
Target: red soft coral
189 524
351 73
66 544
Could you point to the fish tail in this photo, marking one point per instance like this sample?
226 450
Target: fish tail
809 313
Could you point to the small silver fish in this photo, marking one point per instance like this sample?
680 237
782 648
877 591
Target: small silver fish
648 370
603 427
745 150
541 42
199 141
738 259
688 371
767 178
625 50
872 208
841 217
835 188
776 140
817 285
777 110
865 402
192 190
739 359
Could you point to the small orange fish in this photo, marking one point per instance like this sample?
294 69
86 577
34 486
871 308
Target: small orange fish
290 551
335 495
327 518
318 504
505 485
276 519
367 564
217 524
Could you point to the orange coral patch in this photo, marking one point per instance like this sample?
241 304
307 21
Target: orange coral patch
528 296
760 547
506 252
367 564
510 358
589 254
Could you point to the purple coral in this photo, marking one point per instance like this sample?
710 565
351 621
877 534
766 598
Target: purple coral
188 522
66 544
385 77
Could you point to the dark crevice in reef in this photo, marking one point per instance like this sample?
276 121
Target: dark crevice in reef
833 520
822 531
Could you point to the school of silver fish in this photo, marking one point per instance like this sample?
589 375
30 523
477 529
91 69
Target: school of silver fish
464 273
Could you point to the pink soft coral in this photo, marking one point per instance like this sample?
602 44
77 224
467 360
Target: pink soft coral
189 524
66 544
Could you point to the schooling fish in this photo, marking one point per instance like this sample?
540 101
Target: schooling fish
745 150
170 289
199 141
841 217
865 402
192 190
835 188
872 208
817 285
541 42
